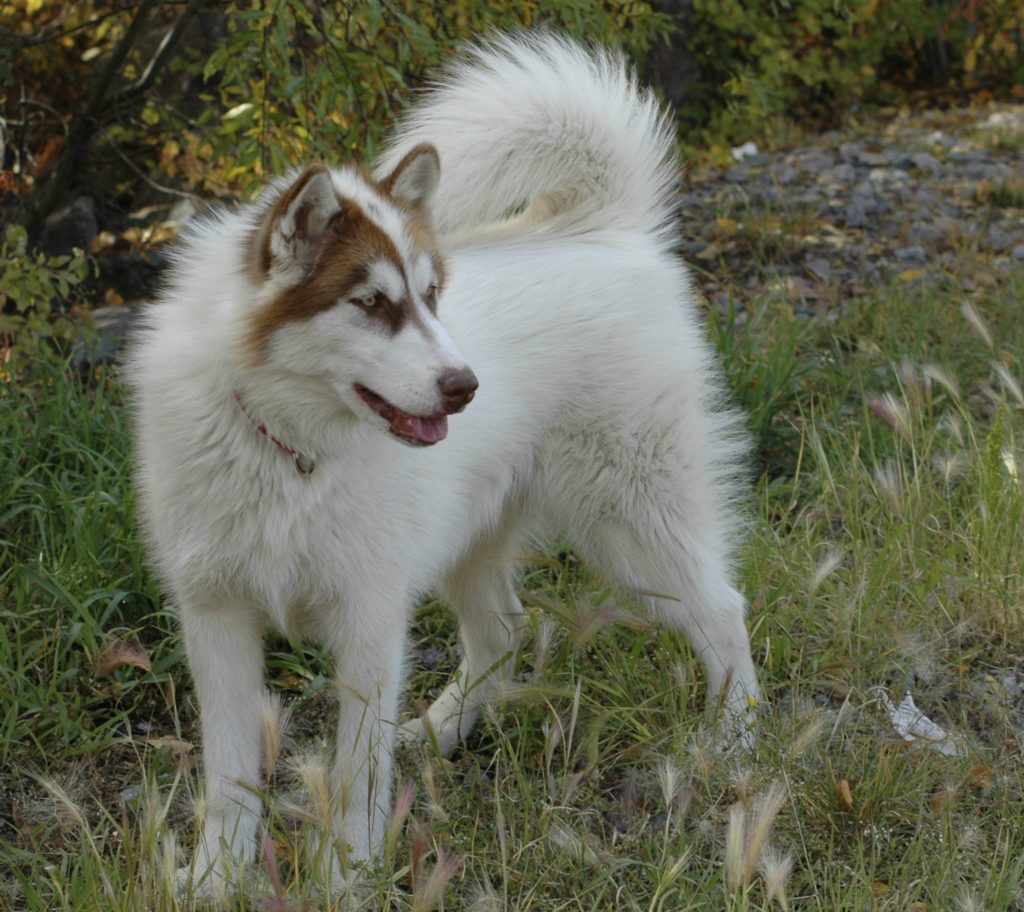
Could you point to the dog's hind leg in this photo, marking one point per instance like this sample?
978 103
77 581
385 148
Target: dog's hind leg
481 592
225 653
685 585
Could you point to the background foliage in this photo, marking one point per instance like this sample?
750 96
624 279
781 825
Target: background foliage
816 59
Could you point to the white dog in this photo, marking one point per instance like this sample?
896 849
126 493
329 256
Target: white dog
297 470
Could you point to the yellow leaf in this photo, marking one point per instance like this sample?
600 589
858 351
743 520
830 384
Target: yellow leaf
845 793
238 110
908 275
726 225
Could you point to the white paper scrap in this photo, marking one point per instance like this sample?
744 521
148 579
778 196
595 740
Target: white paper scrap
914 725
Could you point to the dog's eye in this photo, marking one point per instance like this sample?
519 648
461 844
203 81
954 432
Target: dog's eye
431 295
368 301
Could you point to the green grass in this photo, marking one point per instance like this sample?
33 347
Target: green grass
885 554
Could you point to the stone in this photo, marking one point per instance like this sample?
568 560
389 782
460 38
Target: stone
925 161
856 214
999 241
913 255
1018 252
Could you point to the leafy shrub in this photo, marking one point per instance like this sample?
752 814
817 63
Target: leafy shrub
816 58
296 80
29 284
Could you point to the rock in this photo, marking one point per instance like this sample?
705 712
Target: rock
819 268
925 161
927 234
1018 252
914 255
999 240
841 174
849 152
875 159
784 173
856 214
73 226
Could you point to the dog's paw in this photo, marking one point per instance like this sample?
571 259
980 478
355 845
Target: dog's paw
735 727
443 736
191 884
211 880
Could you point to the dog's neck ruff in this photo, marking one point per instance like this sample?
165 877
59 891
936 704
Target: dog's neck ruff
303 464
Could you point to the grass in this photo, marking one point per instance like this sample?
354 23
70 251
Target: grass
884 556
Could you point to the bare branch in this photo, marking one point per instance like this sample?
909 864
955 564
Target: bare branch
100 104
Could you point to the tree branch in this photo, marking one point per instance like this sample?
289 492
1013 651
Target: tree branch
163 54
85 125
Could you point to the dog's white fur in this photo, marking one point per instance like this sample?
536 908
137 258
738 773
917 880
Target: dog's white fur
598 417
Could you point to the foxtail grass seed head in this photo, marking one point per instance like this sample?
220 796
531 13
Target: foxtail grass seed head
1010 461
946 380
435 805
311 771
968 901
401 810
765 811
674 790
430 894
273 724
950 466
482 898
976 322
1009 382
889 485
952 425
542 644
893 412
668 780
808 735
916 384
776 869
746 835
167 862
735 839
830 563
570 843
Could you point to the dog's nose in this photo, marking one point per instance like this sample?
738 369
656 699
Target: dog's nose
457 389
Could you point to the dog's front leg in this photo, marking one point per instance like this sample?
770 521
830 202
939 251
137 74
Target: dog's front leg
368 653
225 653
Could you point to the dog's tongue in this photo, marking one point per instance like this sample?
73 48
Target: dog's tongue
423 430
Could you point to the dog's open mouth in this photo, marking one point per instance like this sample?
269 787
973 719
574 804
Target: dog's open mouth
421 430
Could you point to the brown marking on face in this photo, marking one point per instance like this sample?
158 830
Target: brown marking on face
351 243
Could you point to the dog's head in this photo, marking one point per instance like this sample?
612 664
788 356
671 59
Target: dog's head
349 279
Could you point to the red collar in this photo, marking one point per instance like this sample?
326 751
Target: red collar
304 464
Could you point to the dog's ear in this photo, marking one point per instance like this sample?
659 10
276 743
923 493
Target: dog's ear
297 225
415 177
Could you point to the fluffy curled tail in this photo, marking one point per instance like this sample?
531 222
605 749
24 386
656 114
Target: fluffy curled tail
533 125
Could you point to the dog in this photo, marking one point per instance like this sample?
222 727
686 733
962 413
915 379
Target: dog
364 388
